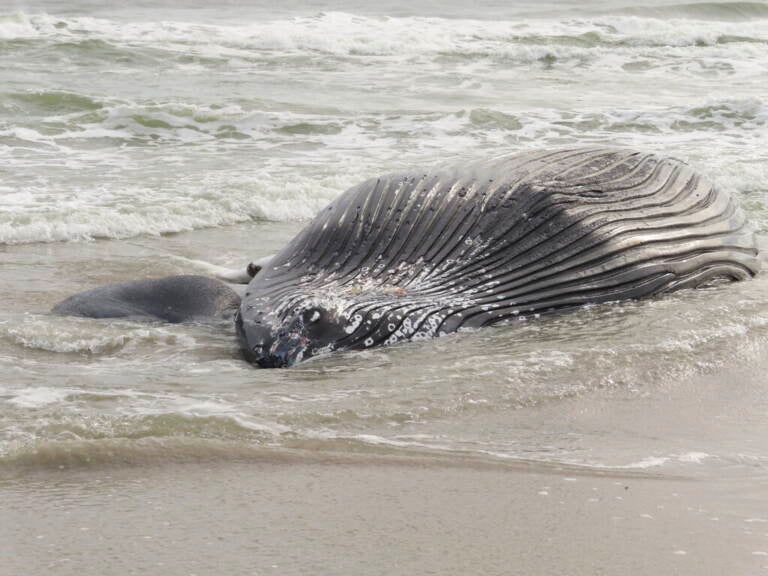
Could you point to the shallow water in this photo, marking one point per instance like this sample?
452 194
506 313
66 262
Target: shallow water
152 139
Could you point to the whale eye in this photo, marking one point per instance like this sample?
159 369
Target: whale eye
312 315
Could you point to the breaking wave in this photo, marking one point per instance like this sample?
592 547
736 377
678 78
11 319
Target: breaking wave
351 35
132 144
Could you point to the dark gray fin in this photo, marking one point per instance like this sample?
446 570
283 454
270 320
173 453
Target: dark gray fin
172 299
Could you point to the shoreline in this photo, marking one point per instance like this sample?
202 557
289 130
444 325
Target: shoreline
342 518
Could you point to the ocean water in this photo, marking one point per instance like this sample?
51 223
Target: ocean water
154 138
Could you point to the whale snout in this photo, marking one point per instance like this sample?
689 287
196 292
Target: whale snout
254 338
266 347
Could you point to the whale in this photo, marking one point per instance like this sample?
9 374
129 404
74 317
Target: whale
423 253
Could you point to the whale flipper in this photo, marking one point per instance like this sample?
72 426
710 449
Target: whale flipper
229 275
172 299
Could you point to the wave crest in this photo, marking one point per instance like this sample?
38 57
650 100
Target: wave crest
351 35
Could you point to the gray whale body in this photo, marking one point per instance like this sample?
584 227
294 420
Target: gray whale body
425 253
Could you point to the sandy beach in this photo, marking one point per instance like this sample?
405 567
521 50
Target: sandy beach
378 517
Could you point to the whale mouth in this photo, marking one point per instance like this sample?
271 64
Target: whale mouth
287 350
278 355
283 354
267 350
272 362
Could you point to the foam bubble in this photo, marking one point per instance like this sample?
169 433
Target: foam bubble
85 336
38 397
647 462
65 342
693 457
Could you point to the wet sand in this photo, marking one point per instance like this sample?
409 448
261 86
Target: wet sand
377 516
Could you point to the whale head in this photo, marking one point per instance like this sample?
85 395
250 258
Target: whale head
281 339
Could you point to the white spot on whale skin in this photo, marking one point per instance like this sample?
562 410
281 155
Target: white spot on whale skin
354 325
368 342
315 316
391 340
